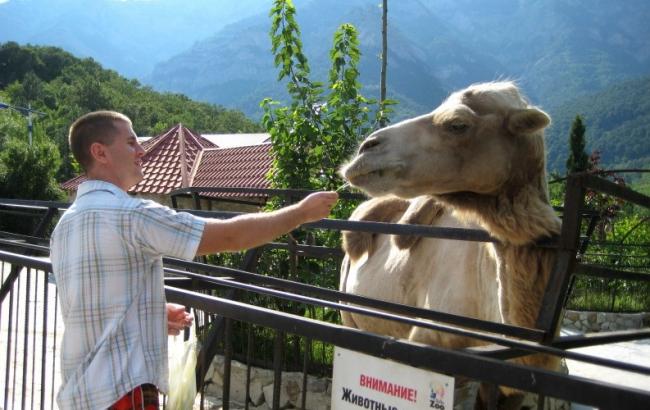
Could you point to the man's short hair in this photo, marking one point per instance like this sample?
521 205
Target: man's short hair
97 126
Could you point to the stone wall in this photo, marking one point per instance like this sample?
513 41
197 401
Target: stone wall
261 388
603 321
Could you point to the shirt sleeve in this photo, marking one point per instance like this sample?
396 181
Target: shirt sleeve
163 231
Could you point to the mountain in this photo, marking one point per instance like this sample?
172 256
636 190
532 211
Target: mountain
567 55
219 50
235 66
556 50
617 122
127 36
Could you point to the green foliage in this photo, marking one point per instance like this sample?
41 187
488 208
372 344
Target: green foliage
556 189
43 62
12 124
578 160
28 172
625 247
64 87
315 133
312 135
621 240
642 184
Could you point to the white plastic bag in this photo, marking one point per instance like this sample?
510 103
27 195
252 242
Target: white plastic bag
182 367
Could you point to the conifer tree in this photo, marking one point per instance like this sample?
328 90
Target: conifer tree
578 160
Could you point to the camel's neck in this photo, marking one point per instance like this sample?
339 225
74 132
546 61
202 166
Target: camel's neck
518 220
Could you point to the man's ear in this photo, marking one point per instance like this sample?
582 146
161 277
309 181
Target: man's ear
98 152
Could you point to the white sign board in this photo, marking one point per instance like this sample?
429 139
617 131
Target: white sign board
360 381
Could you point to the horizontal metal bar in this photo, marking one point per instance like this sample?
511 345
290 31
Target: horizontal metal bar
593 339
34 203
521 346
608 244
27 261
298 193
37 213
321 252
44 265
27 238
350 308
23 245
577 389
530 334
373 227
446 358
184 283
610 273
608 187
615 255
330 294
475 235
573 342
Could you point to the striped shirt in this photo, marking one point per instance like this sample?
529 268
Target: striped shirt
106 254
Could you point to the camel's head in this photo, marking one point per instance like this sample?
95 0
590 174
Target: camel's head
481 139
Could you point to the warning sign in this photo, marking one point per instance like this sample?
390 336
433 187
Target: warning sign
361 381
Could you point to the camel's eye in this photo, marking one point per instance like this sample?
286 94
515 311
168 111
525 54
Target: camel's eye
457 127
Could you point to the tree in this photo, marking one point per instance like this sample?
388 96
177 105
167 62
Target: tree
28 172
65 87
384 56
315 133
12 123
578 160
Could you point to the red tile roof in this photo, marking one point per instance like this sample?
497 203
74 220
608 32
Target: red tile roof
169 160
205 164
72 184
234 167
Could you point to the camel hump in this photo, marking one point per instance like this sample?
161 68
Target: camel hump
422 210
355 243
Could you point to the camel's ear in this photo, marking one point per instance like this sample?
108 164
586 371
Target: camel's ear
527 121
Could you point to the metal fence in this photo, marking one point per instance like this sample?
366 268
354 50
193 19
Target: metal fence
220 297
28 336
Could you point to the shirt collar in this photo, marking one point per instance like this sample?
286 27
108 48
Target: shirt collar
92 185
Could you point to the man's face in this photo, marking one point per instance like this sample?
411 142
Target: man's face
125 156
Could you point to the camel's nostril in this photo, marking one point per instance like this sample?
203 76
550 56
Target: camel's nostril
367 144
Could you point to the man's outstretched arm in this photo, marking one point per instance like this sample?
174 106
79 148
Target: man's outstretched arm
252 230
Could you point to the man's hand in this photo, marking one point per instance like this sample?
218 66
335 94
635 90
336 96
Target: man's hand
177 319
318 205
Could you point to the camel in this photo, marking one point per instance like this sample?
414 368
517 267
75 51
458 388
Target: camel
476 161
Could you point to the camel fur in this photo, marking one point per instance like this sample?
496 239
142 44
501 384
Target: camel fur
477 161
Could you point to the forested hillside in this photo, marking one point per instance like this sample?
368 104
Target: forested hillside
556 50
64 87
617 121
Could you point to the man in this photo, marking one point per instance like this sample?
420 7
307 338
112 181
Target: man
106 254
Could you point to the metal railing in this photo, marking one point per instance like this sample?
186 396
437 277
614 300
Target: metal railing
218 295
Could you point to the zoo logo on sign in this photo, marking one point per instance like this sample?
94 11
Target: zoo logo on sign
437 395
